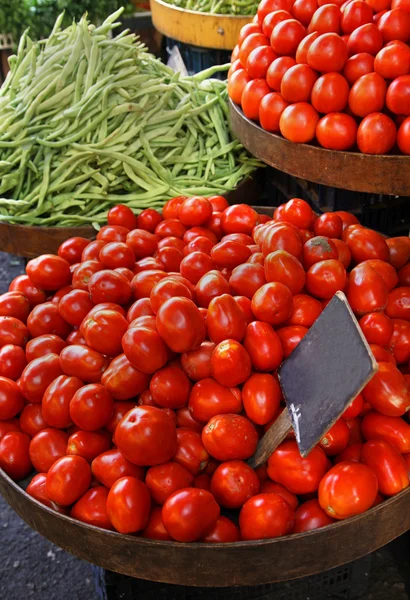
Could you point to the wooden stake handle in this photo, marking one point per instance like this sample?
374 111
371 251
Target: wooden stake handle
271 440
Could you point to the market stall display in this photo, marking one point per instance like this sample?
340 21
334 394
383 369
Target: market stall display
119 341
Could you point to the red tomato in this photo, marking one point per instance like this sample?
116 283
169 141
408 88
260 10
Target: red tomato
148 219
263 346
128 505
388 465
233 483
272 303
325 278
113 233
387 391
92 508
13 331
398 303
310 516
139 308
400 341
299 475
110 466
46 447
225 359
116 254
155 528
230 437
298 122
385 270
83 273
122 215
31 419
37 490
282 236
8 426
392 61
305 311
366 290
286 37
191 453
210 286
247 30
355 14
282 267
328 53
345 256
376 134
395 25
83 362
329 224
186 420
145 349
38 375
348 489
68 479
252 41
189 514
170 210
225 319
303 48
399 249
377 328
163 480
170 387
330 94
290 337
261 398
209 398
271 20
326 19
197 363
246 279
270 111
404 275
390 429
88 444
49 272
75 306
382 355
15 304
25 286
194 211
297 83
72 249
366 38
123 380
45 318
265 516
336 439
276 71
403 136
236 85
267 6
109 286
146 436
367 95
180 325
91 251
317 249
91 407
224 531
14 455
258 61
11 399
358 65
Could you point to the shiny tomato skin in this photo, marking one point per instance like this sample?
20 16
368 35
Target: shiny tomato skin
347 489
399 250
233 483
305 310
163 480
398 303
83 362
299 475
356 13
9 425
230 363
224 531
46 319
49 272
329 224
170 209
37 490
336 439
197 363
121 215
142 243
11 399
91 407
31 420
365 39
120 410
185 419
165 289
148 219
139 308
286 37
123 380
366 244
376 134
392 61
298 122
282 267
366 290
382 355
395 25
14 455
265 516
326 19
155 529
210 286
109 286
230 437
13 331
276 71
71 249
68 479
281 236
394 430
103 332
290 337
261 396
236 84
225 319
189 514
38 375
328 53
358 65
252 41
303 48
83 273
195 265
317 249
91 251
88 444
387 391
128 505
191 452
246 279
352 453
309 516
272 303
15 304
111 465
388 465
25 286
170 387
404 275
377 328
180 325
355 408
270 110
263 346
46 447
325 278
145 349
400 341
344 254
297 83
330 93
75 306
230 254
146 436
209 398
91 508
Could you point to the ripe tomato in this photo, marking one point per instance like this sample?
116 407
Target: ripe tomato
303 48
329 225
11 399
258 61
276 71
286 37
91 407
83 362
224 531
282 267
68 479
38 375
13 331
336 439
395 25
399 249
390 429
266 516
210 286
230 254
170 387
382 355
290 337
128 505
376 134
261 398
155 529
225 319
148 219
330 93
305 311
197 363
88 444
111 465
230 437
358 65
75 306
170 210
398 303
225 359
377 328
272 19
37 490
298 122
388 465
366 38
403 136
144 349
236 84
400 341
387 391
345 256
404 275
49 272
46 447
326 19
366 290
195 265
139 308
180 324
91 251
191 453
267 6
270 111
325 278
8 426
194 211
15 304
281 236
109 286
299 475
163 480
309 516
252 95
252 41
297 83
72 249
367 95
385 270
328 53
83 273
392 61
45 318
25 286
209 398
14 455
146 436
92 508
186 420
123 380
317 249
263 346
31 419
272 303
247 30
348 489
355 14
123 216
189 514
233 483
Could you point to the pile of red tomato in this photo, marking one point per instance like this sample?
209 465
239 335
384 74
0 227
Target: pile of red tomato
335 72
139 371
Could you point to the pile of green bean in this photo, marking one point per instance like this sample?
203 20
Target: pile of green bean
88 120
218 7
